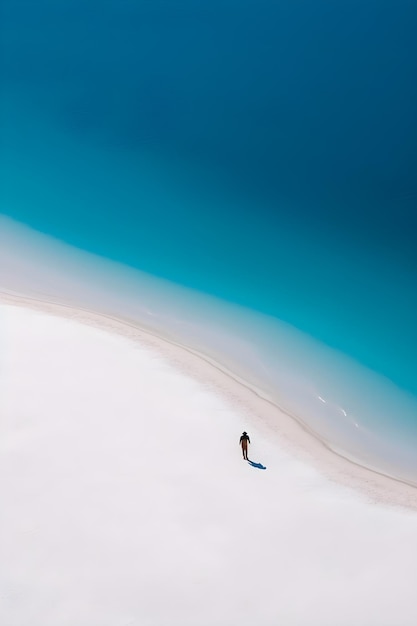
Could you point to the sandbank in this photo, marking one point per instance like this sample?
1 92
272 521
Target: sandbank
126 500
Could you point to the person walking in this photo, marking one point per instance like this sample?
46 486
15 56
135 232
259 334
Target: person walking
244 440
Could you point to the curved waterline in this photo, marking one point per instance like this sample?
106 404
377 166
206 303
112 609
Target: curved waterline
353 411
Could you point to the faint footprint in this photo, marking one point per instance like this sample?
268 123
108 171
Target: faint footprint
7 593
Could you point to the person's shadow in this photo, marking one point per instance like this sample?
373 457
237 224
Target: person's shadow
257 465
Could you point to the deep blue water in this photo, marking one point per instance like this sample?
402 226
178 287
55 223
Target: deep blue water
264 152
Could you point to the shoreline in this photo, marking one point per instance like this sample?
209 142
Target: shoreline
294 437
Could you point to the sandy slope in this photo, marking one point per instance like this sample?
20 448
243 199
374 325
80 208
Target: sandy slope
125 501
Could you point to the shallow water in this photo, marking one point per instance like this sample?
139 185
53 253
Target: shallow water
356 412
263 155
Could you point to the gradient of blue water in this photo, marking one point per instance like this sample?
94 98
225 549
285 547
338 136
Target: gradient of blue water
263 152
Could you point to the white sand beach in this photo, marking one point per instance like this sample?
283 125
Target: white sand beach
125 499
326 407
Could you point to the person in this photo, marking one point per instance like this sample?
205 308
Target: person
244 440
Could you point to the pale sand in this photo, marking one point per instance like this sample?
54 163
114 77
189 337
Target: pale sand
285 430
125 500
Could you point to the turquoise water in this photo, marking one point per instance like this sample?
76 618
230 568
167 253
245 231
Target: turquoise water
261 154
